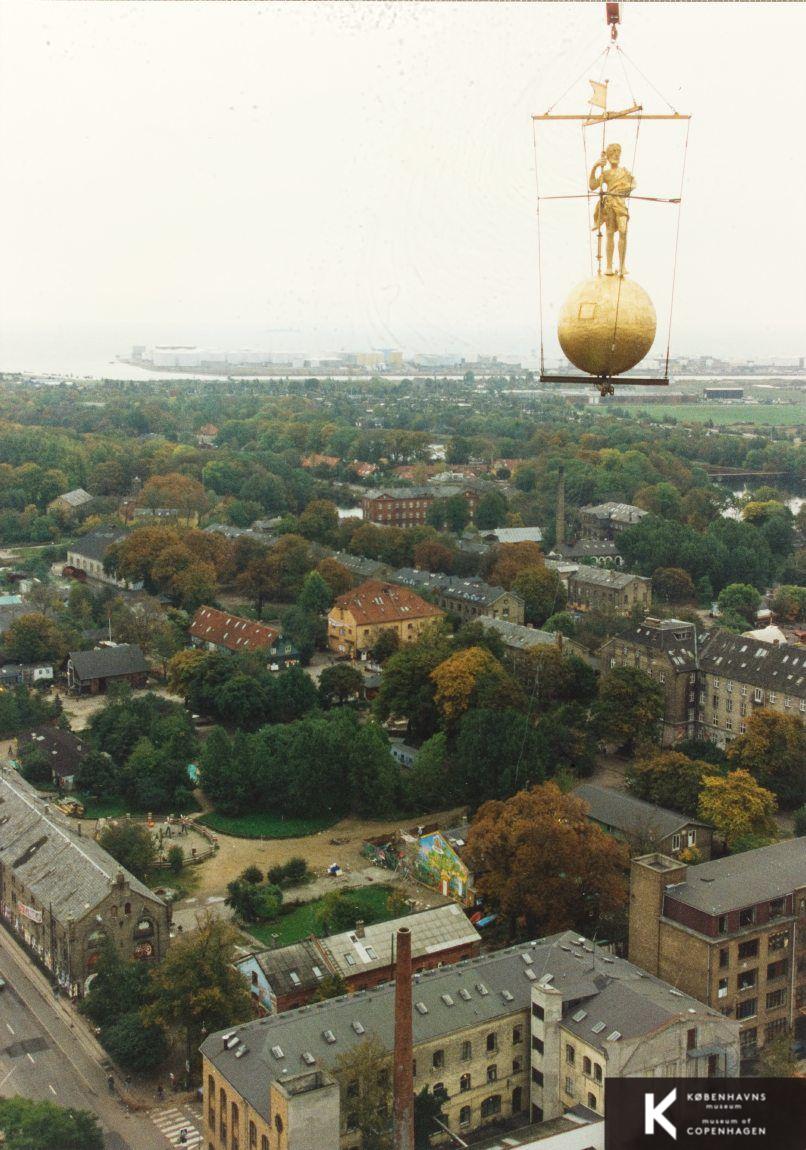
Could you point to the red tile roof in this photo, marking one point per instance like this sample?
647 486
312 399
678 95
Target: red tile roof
231 631
378 602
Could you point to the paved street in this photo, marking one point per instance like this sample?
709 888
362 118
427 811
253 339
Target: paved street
44 1054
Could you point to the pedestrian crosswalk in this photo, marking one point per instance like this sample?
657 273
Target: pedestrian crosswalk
172 1121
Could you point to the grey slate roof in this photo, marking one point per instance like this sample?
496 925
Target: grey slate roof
301 959
451 586
586 549
612 512
432 931
672 637
64 749
744 879
602 577
633 816
399 493
69 873
95 544
107 662
514 535
517 635
77 497
491 987
778 668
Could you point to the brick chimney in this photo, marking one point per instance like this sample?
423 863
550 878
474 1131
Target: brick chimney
359 928
560 527
404 1046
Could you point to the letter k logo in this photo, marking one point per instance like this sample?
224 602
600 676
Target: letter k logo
657 1114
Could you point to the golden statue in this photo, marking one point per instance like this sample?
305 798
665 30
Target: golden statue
615 184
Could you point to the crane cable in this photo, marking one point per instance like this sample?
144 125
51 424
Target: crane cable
676 245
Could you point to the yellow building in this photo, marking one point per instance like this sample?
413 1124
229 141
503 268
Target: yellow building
520 1035
357 618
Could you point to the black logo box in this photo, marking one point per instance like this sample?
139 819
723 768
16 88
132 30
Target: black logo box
693 1113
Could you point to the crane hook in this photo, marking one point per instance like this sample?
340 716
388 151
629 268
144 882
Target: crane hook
613 19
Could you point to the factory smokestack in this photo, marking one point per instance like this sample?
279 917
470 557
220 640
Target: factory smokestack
560 529
404 1046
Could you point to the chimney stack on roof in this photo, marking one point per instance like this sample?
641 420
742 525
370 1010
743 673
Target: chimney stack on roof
404 1046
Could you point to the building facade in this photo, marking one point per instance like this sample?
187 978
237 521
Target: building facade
87 554
731 932
64 896
468 598
739 675
525 1034
594 589
358 617
397 506
666 650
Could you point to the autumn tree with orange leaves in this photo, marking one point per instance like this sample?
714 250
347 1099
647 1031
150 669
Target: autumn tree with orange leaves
509 560
473 677
545 867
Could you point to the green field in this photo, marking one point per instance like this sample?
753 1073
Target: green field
784 415
265 825
370 903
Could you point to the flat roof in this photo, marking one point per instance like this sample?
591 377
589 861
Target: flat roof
744 879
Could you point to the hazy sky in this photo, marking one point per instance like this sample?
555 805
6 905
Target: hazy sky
324 176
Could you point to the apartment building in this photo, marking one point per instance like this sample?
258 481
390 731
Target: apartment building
730 932
596 589
468 598
666 650
738 675
358 617
397 506
525 1033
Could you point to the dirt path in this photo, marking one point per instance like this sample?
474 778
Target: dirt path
317 850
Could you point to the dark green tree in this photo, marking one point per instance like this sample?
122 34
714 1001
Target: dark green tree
131 844
28 1125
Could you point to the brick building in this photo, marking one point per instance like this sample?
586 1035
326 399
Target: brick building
644 826
731 932
595 589
290 976
358 617
738 675
525 1034
666 650
397 506
64 896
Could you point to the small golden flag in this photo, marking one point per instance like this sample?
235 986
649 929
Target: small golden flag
599 97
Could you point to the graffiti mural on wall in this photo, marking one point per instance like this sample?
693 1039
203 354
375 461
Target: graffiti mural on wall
439 866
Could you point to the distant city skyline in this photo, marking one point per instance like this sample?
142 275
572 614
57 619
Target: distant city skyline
333 177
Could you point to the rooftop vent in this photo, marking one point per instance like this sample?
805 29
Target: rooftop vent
358 1027
507 995
233 1040
329 1036
239 1053
308 1058
446 998
482 989
527 958
464 995
530 974
277 1051
421 1008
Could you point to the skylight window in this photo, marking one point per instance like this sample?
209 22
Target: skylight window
421 1008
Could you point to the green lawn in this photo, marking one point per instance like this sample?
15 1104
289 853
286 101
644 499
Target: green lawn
113 807
264 825
783 415
370 901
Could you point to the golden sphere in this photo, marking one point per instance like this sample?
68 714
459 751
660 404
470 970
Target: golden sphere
607 325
